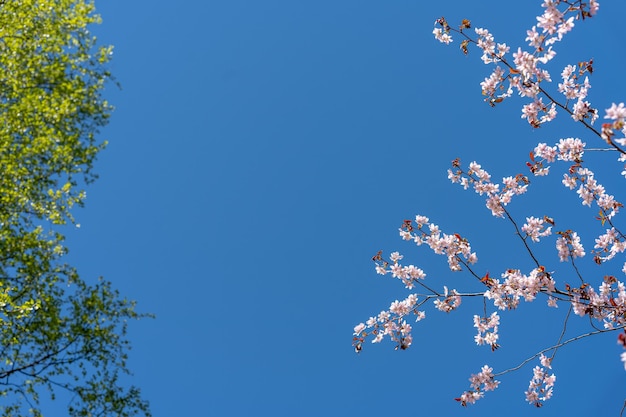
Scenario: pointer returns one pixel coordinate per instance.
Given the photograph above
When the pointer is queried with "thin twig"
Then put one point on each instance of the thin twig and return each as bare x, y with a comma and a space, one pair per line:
530, 252
569, 310
582, 281
573, 339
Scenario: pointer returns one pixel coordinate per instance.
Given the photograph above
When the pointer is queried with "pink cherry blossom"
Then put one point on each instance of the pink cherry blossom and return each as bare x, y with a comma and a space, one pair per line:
570, 149
442, 36
541, 387
568, 245
616, 112
545, 361
487, 330
480, 383
536, 228
451, 301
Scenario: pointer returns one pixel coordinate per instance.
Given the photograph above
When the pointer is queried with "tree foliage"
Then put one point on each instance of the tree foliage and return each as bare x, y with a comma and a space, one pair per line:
57, 331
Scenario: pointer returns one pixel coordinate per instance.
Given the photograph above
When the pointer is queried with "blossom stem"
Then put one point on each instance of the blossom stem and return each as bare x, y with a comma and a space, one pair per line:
569, 311
519, 233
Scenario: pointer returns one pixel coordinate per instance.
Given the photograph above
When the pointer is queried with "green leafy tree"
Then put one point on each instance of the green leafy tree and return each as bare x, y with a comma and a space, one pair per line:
58, 333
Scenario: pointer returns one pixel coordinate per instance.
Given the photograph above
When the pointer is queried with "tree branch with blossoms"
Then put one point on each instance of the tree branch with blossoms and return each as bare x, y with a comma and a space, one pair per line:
604, 303
527, 77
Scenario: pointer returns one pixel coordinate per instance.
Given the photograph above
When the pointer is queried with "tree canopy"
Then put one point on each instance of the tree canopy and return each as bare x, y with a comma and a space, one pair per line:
58, 332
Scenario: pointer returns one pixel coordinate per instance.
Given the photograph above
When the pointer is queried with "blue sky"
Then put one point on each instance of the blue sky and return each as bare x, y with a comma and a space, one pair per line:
262, 152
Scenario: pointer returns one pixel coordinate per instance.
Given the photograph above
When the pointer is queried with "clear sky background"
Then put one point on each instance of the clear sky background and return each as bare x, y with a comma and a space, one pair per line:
261, 152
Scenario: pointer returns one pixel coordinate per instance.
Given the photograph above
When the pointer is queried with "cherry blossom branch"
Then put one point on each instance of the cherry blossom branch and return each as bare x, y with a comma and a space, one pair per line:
608, 140
607, 303
526, 65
